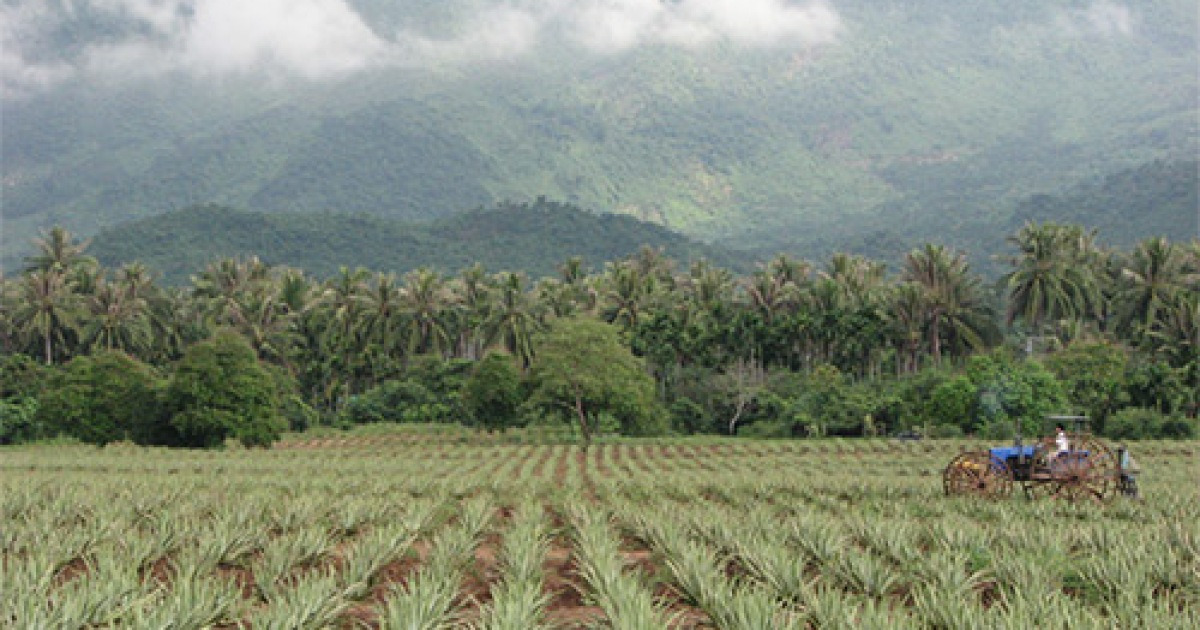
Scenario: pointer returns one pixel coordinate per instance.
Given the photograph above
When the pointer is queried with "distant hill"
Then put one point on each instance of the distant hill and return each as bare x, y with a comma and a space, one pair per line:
533, 237
1161, 198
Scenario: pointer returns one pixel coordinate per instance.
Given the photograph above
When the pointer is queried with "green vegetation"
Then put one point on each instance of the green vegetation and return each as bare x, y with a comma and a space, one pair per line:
582, 368
793, 349
413, 529
218, 390
531, 237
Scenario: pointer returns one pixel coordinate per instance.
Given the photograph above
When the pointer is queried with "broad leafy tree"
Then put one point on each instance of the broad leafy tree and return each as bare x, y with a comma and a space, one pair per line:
220, 391
583, 368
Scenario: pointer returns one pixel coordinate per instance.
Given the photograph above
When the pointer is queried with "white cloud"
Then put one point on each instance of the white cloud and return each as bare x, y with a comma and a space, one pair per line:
1103, 18
1107, 18
315, 39
616, 25
312, 38
501, 32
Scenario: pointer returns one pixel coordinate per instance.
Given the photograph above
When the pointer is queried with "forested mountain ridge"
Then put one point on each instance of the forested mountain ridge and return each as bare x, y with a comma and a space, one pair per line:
1157, 198
839, 122
535, 238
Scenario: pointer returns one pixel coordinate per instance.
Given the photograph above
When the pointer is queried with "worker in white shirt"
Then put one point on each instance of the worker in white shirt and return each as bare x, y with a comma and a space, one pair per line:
1062, 445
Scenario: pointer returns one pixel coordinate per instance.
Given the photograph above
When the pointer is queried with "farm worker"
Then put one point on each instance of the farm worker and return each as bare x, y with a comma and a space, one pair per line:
1060, 441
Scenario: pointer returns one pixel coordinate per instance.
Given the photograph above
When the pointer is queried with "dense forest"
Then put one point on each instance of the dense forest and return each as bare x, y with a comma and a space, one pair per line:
530, 237
645, 346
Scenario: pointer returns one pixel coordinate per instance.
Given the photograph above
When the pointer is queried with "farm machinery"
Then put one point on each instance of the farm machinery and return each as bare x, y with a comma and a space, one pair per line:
1072, 465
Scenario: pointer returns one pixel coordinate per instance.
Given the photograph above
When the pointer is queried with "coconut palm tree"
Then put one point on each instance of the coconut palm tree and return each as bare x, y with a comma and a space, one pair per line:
47, 311
908, 316
118, 319
472, 294
224, 284
624, 292
950, 295
514, 318
382, 316
425, 298
1054, 275
58, 251
1150, 276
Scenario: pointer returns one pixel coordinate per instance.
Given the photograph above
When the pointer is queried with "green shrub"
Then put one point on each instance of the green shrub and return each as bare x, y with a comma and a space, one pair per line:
101, 398
18, 420
405, 401
778, 428
220, 391
581, 367
492, 394
1143, 423
1093, 376
952, 403
946, 431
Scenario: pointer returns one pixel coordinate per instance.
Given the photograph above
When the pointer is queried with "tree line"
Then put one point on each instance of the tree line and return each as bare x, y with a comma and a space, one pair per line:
796, 348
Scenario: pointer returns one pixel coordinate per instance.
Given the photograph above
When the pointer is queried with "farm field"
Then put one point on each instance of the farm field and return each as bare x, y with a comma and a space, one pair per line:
427, 530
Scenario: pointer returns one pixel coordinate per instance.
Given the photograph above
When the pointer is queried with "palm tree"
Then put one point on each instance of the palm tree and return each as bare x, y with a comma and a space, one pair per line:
118, 319
857, 280
47, 310
58, 251
8, 325
1151, 275
709, 286
557, 296
338, 316
950, 296
770, 291
135, 279
513, 321
223, 285
471, 292
624, 292
909, 320
425, 297
1054, 275
381, 317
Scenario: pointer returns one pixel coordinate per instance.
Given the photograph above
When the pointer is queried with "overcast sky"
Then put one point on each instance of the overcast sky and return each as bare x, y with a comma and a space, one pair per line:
317, 39
320, 38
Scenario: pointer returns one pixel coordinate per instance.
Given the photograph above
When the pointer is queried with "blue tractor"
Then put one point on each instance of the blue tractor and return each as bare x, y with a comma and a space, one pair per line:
1069, 464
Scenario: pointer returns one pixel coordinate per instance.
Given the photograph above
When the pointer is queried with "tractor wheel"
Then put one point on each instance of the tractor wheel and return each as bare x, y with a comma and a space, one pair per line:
1088, 472
977, 473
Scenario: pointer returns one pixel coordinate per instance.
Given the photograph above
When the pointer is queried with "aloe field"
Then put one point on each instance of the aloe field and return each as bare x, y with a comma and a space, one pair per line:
425, 530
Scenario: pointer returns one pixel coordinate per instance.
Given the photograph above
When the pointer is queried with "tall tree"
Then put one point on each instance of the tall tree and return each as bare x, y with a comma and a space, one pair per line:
950, 296
1054, 275
425, 298
117, 319
1150, 276
48, 311
514, 319
58, 251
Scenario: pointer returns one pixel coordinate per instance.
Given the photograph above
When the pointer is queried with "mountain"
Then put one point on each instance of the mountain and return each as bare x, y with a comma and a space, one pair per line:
764, 125
1161, 197
531, 237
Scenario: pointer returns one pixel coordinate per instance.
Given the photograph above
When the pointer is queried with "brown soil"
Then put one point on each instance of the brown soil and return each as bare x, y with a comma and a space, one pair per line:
567, 607
639, 558
602, 468
70, 571
589, 486
560, 467
243, 577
